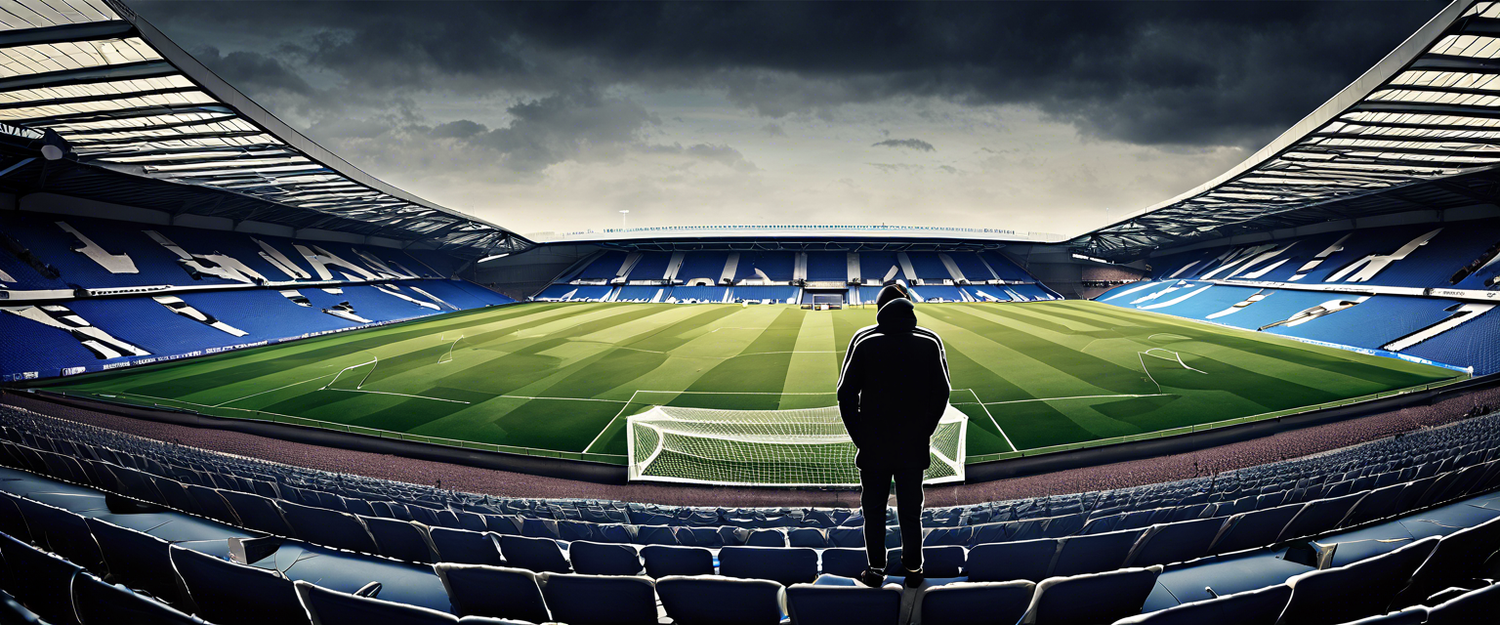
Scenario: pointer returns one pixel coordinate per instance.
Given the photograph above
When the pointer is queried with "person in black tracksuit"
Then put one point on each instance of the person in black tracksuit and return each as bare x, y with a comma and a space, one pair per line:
892, 391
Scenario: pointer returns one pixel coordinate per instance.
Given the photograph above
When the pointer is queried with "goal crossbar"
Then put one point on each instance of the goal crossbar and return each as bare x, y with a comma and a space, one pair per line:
791, 448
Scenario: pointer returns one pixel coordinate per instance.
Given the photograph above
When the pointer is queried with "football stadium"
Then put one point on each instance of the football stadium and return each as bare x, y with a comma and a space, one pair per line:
244, 381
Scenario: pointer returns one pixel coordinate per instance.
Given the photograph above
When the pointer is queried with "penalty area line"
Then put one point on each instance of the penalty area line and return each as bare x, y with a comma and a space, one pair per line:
992, 419
611, 422
1125, 396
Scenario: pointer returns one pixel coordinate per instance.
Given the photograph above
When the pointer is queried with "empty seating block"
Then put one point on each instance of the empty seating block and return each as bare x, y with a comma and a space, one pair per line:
96, 602
1002, 562
1256, 606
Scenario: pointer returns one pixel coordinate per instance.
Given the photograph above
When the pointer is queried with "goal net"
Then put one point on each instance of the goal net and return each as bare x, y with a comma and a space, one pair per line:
807, 447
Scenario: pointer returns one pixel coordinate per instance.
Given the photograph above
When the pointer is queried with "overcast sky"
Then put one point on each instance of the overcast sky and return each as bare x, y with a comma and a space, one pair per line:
1047, 117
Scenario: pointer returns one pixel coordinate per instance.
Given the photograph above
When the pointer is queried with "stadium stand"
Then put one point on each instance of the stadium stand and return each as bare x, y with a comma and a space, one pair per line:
1418, 292
792, 277
1411, 515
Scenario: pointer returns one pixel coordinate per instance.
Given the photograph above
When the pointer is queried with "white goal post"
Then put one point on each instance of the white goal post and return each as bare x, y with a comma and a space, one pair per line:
807, 447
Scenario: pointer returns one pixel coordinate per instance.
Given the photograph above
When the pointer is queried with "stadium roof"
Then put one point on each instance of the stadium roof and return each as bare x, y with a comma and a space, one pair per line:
1420, 130
126, 98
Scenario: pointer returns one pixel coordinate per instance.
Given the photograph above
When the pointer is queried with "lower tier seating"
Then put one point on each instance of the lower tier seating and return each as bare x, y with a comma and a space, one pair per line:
342, 558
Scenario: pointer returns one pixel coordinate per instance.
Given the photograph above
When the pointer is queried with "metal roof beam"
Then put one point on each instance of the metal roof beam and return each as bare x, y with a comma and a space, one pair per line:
125, 113
66, 33
89, 75
101, 97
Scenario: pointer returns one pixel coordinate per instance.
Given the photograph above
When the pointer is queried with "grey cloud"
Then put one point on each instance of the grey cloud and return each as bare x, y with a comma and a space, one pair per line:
458, 129
1207, 73
906, 144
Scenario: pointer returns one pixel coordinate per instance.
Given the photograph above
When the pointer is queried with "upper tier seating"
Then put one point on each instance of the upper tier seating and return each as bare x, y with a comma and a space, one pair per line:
1370, 289
1097, 556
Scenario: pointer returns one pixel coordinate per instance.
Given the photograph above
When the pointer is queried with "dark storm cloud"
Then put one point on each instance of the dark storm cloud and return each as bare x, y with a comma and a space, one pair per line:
1148, 73
906, 144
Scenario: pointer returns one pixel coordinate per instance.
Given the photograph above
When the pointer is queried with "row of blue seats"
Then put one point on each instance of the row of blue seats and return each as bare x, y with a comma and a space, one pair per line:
1118, 593
48, 245
1456, 246
1378, 464
29, 349
821, 266
1371, 324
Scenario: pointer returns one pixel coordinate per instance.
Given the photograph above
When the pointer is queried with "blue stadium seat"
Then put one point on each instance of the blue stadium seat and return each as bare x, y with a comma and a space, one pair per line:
1021, 560
1261, 606
662, 561
403, 540
976, 602
339, 530
225, 593
590, 558
1168, 543
331, 607
40, 581
1354, 591
136, 559
500, 592
1091, 598
600, 599
785, 565
713, 600
843, 603
1475, 606
542, 555
96, 602
467, 547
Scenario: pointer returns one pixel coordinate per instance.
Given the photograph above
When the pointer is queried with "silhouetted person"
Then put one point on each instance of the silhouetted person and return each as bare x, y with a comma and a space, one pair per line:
892, 391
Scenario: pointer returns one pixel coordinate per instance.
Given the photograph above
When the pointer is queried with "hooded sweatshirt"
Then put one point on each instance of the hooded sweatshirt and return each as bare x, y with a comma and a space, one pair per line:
893, 389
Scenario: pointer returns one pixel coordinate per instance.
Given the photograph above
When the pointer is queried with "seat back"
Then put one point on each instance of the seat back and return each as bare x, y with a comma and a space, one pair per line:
331, 607
62, 532
785, 565
1167, 543
940, 561
328, 528
1457, 559
40, 581
1003, 562
1093, 553
600, 599
1092, 598
1355, 590
818, 604
96, 602
714, 600
1475, 606
500, 592
1263, 605
591, 558
536, 554
964, 602
662, 560
257, 512
403, 540
1249, 530
465, 546
225, 593
136, 559
845, 562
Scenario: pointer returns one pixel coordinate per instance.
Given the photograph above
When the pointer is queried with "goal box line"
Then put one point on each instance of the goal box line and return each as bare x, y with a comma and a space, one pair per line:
803, 447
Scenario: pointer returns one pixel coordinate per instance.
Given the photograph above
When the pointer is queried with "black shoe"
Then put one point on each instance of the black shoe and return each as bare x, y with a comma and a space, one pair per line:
871, 578
915, 578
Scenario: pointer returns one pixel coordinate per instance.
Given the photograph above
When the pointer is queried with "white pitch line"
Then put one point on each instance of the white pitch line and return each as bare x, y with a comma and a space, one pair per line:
992, 419
611, 422
1022, 401
272, 390
355, 390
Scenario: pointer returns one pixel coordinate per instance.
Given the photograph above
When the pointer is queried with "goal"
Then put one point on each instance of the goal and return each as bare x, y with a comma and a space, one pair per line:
806, 447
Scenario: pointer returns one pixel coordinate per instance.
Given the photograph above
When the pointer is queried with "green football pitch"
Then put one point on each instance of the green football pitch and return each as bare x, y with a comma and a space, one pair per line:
561, 378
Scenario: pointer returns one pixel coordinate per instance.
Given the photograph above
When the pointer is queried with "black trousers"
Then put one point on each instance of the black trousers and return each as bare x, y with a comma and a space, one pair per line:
875, 487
